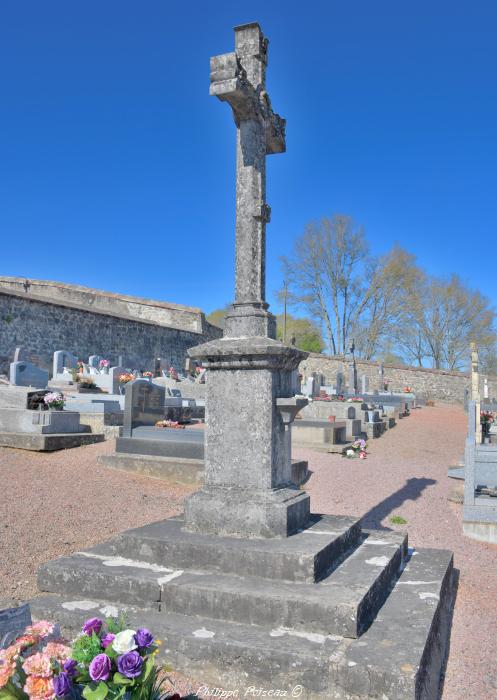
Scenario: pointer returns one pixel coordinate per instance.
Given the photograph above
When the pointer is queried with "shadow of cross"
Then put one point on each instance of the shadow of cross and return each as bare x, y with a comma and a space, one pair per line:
411, 491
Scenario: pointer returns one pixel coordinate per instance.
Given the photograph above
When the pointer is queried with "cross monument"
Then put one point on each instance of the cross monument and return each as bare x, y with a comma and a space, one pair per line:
250, 404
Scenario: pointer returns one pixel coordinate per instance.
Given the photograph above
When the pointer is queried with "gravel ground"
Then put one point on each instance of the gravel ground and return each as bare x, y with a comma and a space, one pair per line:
53, 504
405, 474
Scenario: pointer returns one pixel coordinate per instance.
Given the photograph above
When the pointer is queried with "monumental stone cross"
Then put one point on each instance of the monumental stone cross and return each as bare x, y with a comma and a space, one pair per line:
250, 403
475, 388
239, 78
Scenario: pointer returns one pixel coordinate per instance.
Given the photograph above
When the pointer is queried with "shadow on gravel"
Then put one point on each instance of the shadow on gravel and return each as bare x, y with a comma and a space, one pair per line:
412, 490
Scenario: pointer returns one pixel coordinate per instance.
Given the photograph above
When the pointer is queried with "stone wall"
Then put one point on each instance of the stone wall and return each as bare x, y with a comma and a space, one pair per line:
164, 313
434, 384
42, 326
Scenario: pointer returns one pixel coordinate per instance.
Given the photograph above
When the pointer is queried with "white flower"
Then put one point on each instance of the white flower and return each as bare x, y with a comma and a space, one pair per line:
350, 453
124, 641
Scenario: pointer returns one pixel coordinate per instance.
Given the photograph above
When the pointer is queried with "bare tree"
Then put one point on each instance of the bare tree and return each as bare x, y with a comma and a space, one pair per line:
333, 277
440, 321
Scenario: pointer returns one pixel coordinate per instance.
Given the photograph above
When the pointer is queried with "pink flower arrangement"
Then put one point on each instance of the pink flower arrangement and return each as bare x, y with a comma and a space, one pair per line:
357, 449
54, 400
104, 363
106, 659
28, 666
148, 374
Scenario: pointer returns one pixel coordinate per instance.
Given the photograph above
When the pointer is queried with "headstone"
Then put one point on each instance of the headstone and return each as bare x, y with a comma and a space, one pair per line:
352, 378
309, 387
339, 383
20, 355
364, 384
94, 361
143, 404
63, 360
157, 367
27, 374
13, 621
381, 377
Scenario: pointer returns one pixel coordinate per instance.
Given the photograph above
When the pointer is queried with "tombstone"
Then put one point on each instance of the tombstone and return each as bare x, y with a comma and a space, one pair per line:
381, 377
143, 404
20, 355
364, 384
13, 621
157, 367
94, 361
63, 363
27, 374
352, 378
309, 387
339, 383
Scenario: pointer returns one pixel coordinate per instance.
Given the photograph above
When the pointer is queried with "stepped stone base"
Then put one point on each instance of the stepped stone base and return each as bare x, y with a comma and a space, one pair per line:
342, 612
180, 470
48, 442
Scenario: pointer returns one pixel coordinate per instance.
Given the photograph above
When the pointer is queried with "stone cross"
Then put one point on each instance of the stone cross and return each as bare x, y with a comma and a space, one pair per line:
475, 388
248, 489
239, 78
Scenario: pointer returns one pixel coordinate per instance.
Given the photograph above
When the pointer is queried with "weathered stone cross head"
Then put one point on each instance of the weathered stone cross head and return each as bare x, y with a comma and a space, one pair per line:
239, 78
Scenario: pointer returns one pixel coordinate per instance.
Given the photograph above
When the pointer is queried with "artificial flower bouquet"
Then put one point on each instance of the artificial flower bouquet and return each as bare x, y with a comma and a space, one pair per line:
486, 417
357, 449
126, 377
166, 423
54, 400
104, 363
148, 374
106, 660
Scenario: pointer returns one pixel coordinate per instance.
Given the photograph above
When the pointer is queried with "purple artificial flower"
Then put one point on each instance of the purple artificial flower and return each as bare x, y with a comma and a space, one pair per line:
100, 668
107, 639
130, 664
144, 638
94, 624
70, 666
62, 685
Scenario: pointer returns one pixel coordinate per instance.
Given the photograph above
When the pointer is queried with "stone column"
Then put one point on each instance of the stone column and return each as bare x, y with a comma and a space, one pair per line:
475, 390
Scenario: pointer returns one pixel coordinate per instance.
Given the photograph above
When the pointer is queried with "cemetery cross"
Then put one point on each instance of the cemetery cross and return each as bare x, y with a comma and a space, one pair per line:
239, 78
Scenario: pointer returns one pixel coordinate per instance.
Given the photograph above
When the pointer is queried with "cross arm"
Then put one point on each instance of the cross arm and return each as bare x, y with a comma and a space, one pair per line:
229, 84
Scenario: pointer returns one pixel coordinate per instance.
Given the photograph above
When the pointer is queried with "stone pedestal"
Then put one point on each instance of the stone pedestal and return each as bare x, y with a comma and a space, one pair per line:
248, 488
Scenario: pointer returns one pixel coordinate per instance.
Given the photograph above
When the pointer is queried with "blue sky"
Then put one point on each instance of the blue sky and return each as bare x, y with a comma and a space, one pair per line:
117, 169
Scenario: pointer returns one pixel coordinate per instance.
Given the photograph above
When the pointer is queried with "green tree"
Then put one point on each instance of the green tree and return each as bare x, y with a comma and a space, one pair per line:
304, 332
216, 317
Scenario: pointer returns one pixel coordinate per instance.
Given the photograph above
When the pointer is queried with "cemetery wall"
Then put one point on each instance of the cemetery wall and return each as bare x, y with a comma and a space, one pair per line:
441, 385
42, 325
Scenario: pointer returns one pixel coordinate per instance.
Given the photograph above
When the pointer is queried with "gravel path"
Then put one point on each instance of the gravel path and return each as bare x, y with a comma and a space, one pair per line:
405, 474
53, 504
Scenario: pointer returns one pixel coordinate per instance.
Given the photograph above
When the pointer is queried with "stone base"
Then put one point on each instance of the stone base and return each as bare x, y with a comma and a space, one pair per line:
244, 320
247, 513
176, 470
48, 442
483, 532
179, 470
338, 611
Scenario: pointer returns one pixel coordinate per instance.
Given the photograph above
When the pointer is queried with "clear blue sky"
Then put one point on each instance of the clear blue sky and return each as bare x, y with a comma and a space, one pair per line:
117, 168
